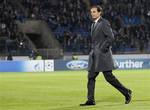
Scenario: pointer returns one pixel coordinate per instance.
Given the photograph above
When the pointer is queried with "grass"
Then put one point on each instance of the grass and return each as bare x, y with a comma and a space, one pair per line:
65, 90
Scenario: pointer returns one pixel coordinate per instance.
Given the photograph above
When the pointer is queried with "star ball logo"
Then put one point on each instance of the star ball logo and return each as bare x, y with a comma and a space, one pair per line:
49, 65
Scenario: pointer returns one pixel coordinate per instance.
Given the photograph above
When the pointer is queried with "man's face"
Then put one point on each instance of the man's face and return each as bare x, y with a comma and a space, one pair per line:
94, 13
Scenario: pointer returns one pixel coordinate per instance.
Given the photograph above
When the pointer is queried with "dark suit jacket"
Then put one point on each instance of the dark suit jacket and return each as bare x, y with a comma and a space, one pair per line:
100, 57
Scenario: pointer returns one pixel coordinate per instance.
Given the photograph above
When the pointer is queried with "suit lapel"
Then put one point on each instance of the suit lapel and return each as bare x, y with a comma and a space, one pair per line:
93, 28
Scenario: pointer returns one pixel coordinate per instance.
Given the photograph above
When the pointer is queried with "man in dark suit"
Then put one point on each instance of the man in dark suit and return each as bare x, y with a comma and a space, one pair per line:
100, 57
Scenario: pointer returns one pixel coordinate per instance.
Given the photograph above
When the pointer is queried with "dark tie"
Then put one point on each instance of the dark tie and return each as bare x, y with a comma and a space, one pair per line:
93, 25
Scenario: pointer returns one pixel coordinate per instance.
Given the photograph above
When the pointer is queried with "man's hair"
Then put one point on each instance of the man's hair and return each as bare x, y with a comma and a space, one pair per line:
98, 7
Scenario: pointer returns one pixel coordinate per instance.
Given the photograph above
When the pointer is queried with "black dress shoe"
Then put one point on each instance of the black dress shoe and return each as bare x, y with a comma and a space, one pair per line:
128, 97
88, 103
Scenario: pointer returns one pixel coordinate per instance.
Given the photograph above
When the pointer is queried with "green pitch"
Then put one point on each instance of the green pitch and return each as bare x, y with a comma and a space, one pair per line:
65, 90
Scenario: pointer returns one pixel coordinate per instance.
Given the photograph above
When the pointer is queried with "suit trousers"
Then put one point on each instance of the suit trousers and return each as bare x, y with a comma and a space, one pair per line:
110, 78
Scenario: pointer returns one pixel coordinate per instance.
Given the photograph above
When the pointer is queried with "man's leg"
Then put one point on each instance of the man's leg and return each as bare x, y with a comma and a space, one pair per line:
115, 83
91, 85
91, 88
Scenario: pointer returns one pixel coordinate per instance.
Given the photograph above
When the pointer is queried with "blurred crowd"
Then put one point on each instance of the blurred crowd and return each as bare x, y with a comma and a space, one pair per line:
10, 36
70, 22
130, 21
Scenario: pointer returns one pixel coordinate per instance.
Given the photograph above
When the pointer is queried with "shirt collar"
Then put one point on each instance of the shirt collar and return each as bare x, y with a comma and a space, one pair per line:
97, 19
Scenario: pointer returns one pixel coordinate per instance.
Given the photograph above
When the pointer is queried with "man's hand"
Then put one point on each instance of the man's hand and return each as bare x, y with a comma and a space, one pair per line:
104, 50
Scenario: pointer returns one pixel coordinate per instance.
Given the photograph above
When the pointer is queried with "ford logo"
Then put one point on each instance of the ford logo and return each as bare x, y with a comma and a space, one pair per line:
77, 64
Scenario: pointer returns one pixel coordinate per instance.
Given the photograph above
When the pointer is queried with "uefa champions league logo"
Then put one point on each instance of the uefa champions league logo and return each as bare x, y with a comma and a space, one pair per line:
49, 65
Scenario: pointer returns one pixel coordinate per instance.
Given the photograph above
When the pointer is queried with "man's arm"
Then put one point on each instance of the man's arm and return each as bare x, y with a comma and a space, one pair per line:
109, 36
